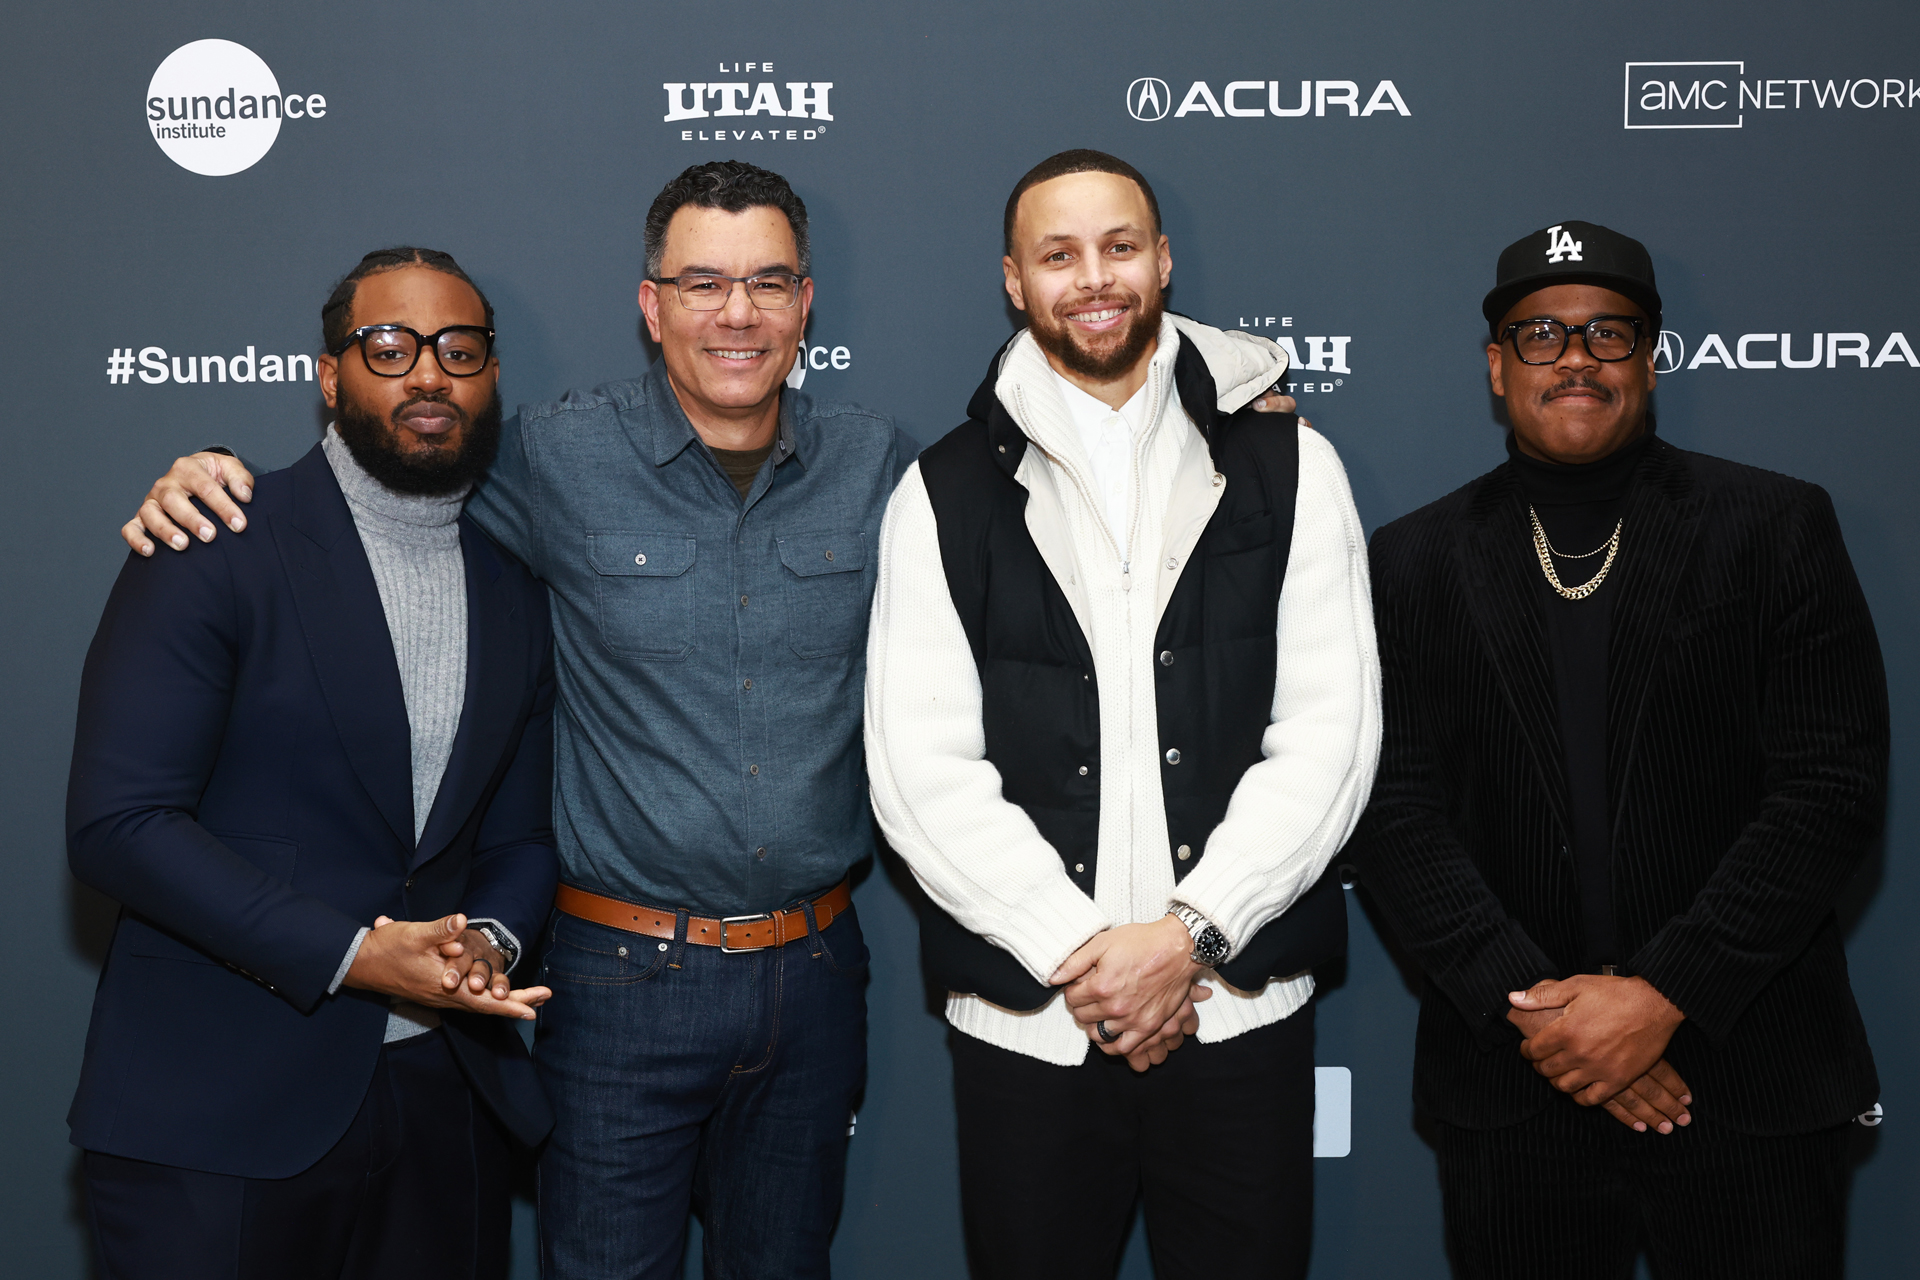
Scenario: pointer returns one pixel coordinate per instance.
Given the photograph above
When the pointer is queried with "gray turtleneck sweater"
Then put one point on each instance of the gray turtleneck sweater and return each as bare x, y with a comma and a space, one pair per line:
413, 546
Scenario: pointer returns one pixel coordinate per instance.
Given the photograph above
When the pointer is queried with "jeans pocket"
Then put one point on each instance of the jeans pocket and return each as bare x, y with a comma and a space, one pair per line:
584, 953
844, 948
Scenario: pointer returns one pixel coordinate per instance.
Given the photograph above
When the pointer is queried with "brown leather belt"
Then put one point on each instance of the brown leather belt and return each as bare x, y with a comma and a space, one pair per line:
733, 933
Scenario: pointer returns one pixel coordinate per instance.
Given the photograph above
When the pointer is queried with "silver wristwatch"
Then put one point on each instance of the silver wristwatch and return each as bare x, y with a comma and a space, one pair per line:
1209, 944
501, 942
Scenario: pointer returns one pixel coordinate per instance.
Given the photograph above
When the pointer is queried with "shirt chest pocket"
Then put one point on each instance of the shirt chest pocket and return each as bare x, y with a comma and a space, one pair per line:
644, 588
828, 591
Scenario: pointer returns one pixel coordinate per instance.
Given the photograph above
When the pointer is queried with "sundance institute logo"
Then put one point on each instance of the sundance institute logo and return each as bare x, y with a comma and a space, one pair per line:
215, 108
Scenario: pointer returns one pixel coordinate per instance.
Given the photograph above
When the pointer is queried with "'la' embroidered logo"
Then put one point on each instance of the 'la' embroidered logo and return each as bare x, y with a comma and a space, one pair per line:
1561, 245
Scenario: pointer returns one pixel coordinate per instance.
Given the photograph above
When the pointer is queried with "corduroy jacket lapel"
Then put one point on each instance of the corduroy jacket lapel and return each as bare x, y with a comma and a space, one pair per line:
1657, 537
346, 630
1494, 545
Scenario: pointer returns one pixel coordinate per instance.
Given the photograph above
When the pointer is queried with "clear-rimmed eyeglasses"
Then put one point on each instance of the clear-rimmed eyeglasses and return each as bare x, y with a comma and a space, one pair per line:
773, 291
1543, 340
391, 350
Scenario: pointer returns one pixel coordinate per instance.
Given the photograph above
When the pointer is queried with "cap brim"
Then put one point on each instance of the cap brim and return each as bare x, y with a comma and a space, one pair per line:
1500, 301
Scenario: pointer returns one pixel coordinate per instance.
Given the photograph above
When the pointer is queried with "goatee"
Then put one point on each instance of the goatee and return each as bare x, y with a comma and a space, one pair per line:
431, 472
1056, 338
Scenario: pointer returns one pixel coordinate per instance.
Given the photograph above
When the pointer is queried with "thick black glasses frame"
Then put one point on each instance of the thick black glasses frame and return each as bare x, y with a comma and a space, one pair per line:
1566, 336
731, 281
421, 342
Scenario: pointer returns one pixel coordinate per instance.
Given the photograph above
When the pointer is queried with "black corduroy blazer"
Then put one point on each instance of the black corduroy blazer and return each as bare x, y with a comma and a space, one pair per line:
1747, 746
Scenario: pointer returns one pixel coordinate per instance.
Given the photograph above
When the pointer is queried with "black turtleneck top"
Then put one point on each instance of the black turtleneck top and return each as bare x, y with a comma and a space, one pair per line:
1578, 506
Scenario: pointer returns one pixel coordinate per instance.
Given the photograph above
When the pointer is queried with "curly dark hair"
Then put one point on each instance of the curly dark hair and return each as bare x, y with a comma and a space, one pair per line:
1079, 160
733, 186
336, 317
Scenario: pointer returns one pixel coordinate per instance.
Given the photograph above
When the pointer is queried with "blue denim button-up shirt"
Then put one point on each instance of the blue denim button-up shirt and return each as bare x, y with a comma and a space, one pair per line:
711, 650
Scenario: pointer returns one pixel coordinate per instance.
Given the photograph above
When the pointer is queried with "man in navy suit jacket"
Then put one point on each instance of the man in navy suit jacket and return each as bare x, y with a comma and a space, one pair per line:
314, 766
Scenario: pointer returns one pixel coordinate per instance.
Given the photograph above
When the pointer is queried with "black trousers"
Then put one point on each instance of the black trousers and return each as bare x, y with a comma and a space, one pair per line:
1216, 1144
1574, 1194
418, 1186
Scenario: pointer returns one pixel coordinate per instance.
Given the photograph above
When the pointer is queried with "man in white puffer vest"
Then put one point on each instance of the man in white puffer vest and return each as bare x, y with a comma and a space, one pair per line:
1123, 708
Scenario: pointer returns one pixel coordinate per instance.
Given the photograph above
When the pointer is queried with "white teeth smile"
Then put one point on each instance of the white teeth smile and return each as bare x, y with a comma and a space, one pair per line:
1098, 317
739, 355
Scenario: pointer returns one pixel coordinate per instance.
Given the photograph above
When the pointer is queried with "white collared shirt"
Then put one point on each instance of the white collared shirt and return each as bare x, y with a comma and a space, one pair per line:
1109, 436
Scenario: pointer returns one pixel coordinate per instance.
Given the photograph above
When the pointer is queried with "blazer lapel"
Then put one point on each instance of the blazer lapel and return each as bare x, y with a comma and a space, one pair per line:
1661, 525
346, 631
497, 661
1495, 549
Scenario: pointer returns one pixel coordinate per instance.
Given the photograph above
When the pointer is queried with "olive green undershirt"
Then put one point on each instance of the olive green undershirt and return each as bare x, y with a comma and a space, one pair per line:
742, 465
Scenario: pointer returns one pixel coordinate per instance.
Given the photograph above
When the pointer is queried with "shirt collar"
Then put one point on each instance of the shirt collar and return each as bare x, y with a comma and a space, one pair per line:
672, 432
1090, 413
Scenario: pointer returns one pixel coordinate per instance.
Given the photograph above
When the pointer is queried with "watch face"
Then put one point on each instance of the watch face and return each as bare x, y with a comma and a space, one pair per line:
1211, 946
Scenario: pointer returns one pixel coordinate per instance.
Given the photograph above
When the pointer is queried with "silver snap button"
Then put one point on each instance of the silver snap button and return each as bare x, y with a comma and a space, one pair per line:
623, 951
663, 946
743, 602
1173, 755
1079, 866
829, 555
761, 852
747, 684
1083, 771
1183, 852
1172, 563
1218, 479
641, 558
1166, 657
754, 769
1002, 448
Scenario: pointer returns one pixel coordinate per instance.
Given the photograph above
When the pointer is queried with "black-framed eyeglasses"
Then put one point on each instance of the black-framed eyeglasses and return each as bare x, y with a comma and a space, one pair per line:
771, 291
1543, 340
391, 350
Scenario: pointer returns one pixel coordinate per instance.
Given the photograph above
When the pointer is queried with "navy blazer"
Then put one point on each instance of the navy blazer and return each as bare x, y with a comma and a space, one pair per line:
242, 783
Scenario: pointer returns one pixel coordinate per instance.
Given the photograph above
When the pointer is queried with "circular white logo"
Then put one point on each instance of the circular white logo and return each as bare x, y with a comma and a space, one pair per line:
1669, 351
215, 108
1149, 99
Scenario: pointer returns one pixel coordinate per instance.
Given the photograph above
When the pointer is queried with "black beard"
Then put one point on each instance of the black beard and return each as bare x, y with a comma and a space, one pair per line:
1141, 332
373, 442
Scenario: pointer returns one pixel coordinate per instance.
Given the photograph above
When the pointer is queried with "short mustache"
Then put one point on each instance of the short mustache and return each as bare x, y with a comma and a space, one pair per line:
440, 399
1580, 382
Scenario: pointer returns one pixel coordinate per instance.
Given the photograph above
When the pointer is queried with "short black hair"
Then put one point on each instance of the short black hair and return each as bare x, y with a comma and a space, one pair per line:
336, 317
732, 186
1079, 160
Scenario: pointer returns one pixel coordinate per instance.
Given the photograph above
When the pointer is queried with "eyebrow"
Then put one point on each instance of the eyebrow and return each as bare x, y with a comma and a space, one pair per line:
1123, 229
716, 271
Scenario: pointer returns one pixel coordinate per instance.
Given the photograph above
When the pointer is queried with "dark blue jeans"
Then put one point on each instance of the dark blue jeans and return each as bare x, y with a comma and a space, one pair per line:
681, 1075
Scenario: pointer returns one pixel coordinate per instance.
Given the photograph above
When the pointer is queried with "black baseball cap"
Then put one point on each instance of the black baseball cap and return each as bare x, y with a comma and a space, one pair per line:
1573, 253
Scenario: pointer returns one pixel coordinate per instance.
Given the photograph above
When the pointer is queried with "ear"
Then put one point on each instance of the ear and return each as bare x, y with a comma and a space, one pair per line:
1165, 254
1653, 358
1495, 353
650, 307
329, 367
1014, 290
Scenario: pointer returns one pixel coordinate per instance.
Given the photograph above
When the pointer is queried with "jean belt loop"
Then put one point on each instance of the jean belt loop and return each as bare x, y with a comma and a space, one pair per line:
814, 944
679, 938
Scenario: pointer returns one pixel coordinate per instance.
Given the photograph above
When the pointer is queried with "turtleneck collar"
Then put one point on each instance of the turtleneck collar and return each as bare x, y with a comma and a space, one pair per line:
400, 517
1559, 484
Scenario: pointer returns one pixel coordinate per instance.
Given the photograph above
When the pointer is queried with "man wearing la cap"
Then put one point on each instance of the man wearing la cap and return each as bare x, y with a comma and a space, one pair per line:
1636, 740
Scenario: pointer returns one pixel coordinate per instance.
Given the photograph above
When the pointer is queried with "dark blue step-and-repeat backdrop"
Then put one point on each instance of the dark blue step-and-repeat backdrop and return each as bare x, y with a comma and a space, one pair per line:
1337, 177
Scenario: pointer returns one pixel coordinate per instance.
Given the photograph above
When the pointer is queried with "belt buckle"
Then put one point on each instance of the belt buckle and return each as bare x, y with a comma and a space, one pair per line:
748, 919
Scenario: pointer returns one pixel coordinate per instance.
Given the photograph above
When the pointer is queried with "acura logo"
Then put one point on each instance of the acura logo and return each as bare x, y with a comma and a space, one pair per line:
1669, 350
1149, 99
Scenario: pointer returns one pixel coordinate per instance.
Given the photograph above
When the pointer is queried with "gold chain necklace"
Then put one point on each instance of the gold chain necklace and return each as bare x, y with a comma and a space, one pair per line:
1544, 550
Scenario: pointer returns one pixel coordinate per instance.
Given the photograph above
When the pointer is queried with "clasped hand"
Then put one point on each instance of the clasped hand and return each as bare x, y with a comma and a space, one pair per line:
1139, 979
1602, 1040
441, 964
